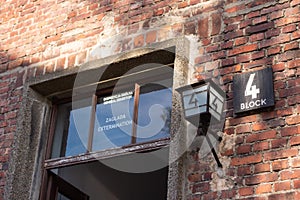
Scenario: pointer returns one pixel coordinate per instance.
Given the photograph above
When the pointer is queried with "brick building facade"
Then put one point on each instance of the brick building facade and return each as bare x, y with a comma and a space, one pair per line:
41, 41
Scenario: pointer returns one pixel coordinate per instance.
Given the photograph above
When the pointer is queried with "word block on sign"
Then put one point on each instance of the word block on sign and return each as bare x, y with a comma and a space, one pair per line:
253, 90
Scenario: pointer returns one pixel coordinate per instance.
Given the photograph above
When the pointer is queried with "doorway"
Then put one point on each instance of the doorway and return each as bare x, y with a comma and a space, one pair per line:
101, 182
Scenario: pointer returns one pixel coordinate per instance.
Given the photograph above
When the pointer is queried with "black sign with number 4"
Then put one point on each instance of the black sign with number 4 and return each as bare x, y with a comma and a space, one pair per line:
253, 90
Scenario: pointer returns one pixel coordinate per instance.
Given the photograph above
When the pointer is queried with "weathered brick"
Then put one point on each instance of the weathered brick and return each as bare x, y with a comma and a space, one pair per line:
228, 194
196, 177
253, 14
273, 41
257, 55
273, 50
295, 163
71, 60
49, 67
264, 167
263, 188
276, 15
261, 178
296, 184
289, 92
189, 28
203, 28
295, 2
231, 27
246, 191
293, 120
295, 35
243, 58
285, 175
289, 28
257, 3
139, 41
243, 128
209, 196
278, 143
232, 35
182, 4
289, 55
243, 149
235, 8
242, 120
287, 131
293, 63
261, 136
240, 41
242, 49
216, 23
245, 23
243, 170
81, 58
260, 146
259, 20
202, 59
260, 27
287, 20
293, 82
275, 123
286, 185
200, 187
227, 45
280, 154
257, 37
212, 48
218, 55
289, 46
295, 140
279, 165
282, 196
246, 160
133, 28
259, 126
151, 37
280, 103
272, 33
274, 8
259, 63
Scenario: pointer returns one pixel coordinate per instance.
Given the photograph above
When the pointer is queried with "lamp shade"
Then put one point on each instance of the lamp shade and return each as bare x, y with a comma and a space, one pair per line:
200, 99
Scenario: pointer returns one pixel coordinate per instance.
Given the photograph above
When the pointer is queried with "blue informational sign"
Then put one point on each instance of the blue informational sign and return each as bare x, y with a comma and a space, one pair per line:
113, 127
113, 123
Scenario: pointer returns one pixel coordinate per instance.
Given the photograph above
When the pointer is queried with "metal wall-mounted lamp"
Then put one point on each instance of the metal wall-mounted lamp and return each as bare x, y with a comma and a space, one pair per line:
203, 105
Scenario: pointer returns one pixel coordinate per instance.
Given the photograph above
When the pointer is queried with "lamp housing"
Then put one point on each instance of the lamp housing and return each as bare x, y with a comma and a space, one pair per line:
202, 99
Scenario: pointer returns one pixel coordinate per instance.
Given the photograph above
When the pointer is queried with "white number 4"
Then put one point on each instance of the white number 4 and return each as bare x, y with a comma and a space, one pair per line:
251, 90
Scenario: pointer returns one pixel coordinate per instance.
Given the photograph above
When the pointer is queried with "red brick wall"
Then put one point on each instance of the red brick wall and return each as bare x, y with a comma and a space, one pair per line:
261, 156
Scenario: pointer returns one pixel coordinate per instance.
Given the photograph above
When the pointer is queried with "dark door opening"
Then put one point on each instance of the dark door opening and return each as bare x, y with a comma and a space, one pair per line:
63, 190
101, 182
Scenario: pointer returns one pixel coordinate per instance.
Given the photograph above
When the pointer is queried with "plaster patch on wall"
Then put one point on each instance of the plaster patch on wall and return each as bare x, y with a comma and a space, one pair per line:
66, 48
194, 46
168, 19
109, 39
227, 143
220, 179
112, 38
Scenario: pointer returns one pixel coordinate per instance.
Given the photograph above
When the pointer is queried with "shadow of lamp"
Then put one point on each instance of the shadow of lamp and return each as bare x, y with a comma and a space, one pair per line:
203, 105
